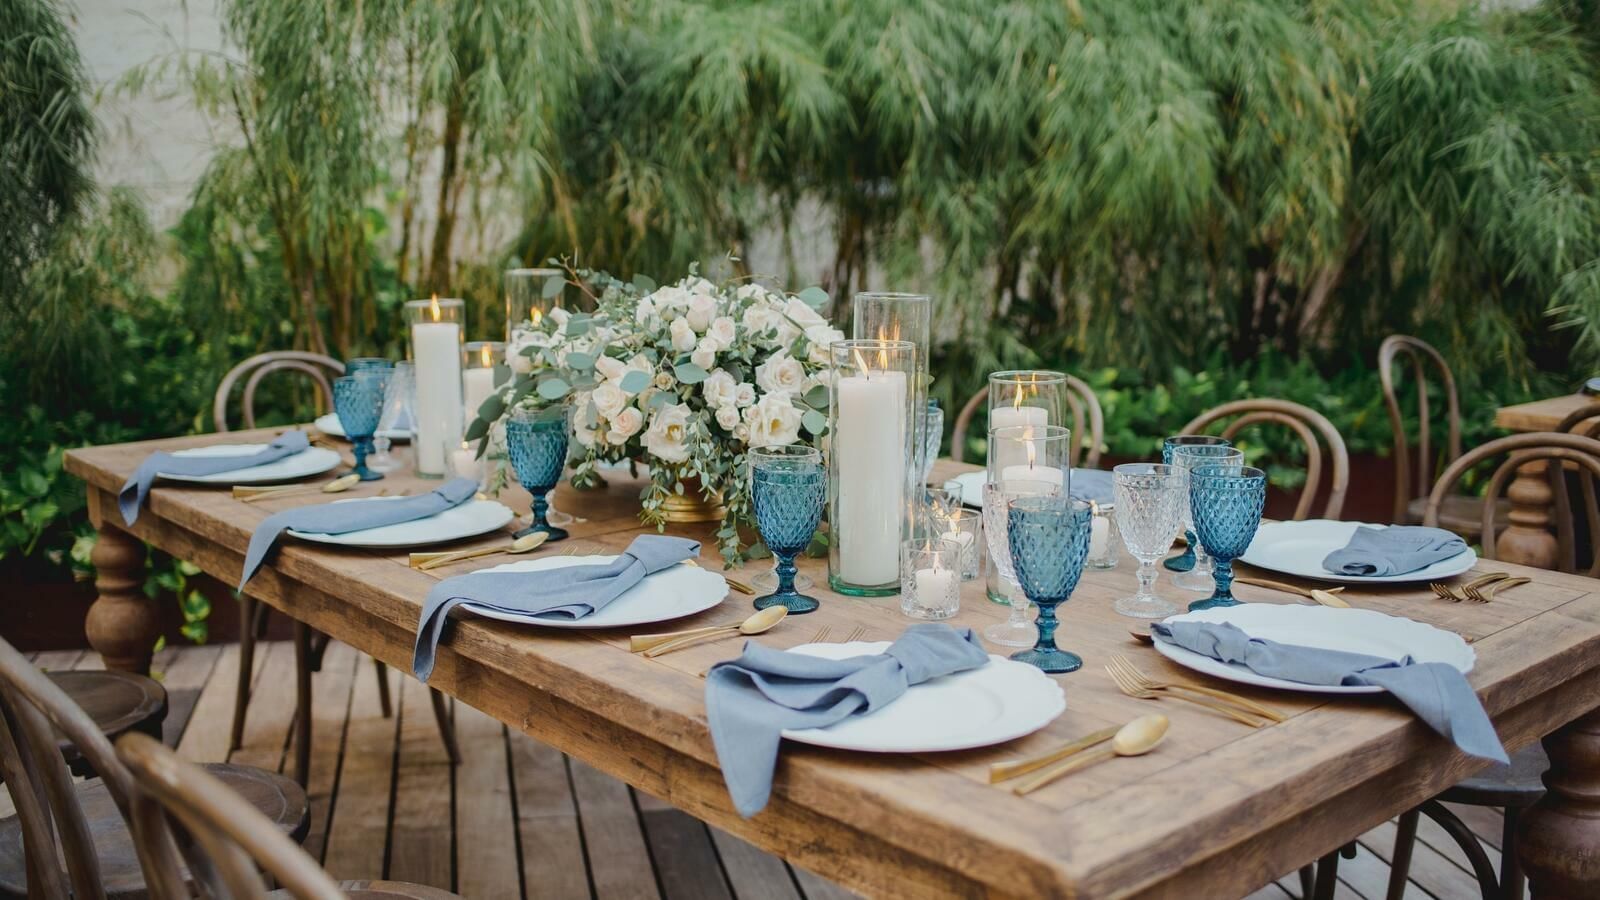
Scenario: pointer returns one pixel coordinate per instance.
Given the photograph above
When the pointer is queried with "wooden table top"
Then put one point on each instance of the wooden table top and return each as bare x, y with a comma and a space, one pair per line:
1218, 809
1540, 415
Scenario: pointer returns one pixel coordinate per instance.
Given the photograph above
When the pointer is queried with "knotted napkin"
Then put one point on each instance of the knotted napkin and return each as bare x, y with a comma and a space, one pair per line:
132, 495
1091, 484
570, 592
751, 700
359, 515
1395, 550
1437, 692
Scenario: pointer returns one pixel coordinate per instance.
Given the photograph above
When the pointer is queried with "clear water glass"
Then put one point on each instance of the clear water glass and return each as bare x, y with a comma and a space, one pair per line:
1186, 457
1226, 501
1103, 538
1149, 508
964, 528
933, 438
788, 488
357, 400
1049, 539
536, 441
1016, 630
1185, 560
930, 579
396, 415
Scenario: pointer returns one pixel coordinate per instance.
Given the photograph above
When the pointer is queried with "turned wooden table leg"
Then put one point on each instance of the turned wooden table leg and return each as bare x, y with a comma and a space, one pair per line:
123, 623
1558, 839
1528, 539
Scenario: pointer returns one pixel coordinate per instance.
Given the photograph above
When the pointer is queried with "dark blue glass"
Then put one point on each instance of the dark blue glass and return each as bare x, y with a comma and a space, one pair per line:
1049, 540
788, 488
1226, 502
1185, 561
358, 401
537, 444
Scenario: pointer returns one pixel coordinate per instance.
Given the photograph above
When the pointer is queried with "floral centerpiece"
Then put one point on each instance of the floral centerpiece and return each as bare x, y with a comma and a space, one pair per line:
684, 378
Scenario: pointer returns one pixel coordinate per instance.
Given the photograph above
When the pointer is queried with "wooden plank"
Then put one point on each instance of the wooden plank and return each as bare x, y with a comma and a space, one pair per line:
815, 887
358, 827
1487, 822
272, 703
754, 874
206, 737
1270, 892
330, 709
1540, 415
185, 674
486, 845
553, 864
420, 842
57, 660
685, 861
619, 861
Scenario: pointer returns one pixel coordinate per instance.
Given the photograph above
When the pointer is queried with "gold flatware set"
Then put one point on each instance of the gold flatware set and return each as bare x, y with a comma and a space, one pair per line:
1325, 597
1135, 683
1136, 738
1478, 590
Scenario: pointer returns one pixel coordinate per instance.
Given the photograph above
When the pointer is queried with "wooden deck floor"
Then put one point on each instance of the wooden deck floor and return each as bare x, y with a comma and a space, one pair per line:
519, 819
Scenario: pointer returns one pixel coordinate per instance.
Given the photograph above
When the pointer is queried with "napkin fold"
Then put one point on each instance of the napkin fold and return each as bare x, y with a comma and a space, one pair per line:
1091, 484
344, 517
569, 592
132, 495
1436, 692
751, 700
1395, 550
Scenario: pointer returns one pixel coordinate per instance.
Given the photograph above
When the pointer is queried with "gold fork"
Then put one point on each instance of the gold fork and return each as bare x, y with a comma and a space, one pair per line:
1484, 595
821, 635
1446, 592
1133, 689
1137, 676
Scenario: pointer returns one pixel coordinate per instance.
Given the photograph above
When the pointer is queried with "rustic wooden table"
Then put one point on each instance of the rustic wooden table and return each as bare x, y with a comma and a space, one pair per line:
1528, 538
1217, 810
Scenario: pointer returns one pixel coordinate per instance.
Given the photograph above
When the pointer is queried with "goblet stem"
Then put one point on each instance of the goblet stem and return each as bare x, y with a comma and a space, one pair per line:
1147, 580
786, 571
1184, 562
1047, 623
540, 518
1222, 574
360, 447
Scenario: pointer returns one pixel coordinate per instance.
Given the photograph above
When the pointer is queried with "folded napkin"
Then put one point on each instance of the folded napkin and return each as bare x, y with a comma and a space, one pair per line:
1092, 484
570, 592
344, 517
751, 700
1437, 692
1393, 551
132, 495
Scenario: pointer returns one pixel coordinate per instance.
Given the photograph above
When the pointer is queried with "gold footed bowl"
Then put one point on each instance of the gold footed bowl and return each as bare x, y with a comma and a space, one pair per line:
692, 506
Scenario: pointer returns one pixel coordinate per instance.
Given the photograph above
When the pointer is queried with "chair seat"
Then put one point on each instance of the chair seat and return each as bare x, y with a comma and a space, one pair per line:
382, 890
118, 702
277, 797
1515, 786
1461, 514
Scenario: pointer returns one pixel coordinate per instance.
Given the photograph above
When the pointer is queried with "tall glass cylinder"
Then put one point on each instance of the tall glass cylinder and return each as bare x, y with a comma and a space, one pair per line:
435, 328
1033, 397
530, 295
871, 463
1030, 453
483, 373
893, 316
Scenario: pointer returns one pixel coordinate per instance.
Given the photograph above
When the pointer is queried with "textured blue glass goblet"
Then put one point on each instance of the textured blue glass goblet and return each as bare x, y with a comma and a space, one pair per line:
788, 488
1226, 502
363, 363
1049, 540
358, 402
1185, 561
536, 440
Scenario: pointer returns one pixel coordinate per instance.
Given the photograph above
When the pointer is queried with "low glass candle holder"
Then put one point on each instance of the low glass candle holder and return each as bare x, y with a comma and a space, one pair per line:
930, 579
964, 528
1103, 537
1030, 453
1185, 560
788, 488
536, 441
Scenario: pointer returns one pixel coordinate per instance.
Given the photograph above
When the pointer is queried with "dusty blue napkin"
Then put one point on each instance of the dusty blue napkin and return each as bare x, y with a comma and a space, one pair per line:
1437, 692
132, 495
570, 592
1091, 484
342, 518
751, 700
1395, 550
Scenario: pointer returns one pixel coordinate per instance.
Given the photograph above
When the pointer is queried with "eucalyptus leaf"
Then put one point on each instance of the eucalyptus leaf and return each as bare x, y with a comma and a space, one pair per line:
689, 373
553, 286
814, 422
817, 397
477, 429
814, 297
644, 283
554, 388
634, 381
491, 409
659, 400
580, 362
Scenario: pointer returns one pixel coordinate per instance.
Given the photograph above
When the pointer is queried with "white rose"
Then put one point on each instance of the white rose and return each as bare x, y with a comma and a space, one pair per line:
774, 422
609, 399
719, 389
698, 285
559, 316
683, 337
742, 433
819, 337
668, 435
781, 373
582, 429
626, 424
802, 314
722, 331
728, 418
520, 364
705, 354
749, 290
744, 395
759, 319
610, 368
645, 311
671, 299
702, 309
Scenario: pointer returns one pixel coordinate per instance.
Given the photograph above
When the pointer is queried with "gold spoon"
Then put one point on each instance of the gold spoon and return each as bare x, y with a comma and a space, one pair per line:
1328, 599
1133, 739
337, 486
426, 561
756, 624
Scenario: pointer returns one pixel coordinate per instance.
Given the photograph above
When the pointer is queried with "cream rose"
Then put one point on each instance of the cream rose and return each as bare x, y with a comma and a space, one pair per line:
723, 331
744, 395
683, 337
801, 314
819, 337
626, 424
728, 417
781, 373
667, 438
610, 368
719, 389
774, 422
609, 399
702, 309
705, 353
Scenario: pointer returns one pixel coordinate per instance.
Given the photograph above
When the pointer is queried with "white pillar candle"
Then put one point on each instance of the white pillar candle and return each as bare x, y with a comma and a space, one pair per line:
869, 451
1047, 474
1099, 532
1011, 453
478, 384
464, 463
437, 347
934, 588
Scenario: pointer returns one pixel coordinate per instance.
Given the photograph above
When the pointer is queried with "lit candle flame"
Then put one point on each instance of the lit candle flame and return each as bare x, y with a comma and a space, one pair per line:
437, 313
1032, 454
1016, 399
488, 357
536, 316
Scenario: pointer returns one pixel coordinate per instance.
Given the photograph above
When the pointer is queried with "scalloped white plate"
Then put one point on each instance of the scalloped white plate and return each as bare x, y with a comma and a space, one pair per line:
1298, 548
308, 462
1325, 627
467, 520
670, 594
992, 704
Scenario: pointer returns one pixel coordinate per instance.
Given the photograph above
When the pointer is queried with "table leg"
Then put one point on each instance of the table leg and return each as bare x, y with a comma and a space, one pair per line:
123, 623
1528, 540
1558, 839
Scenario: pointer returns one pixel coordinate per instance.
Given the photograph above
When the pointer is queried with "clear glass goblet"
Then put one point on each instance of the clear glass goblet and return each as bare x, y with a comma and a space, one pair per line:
396, 415
1016, 630
788, 488
1186, 457
1149, 510
1049, 539
1227, 501
1184, 561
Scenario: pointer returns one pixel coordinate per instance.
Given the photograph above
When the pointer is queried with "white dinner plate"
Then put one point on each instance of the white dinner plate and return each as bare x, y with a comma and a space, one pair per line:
467, 520
991, 704
330, 425
669, 594
1298, 548
1328, 628
310, 461
971, 484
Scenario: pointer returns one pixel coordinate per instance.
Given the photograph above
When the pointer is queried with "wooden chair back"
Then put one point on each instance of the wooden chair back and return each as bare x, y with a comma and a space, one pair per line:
260, 366
1088, 423
1308, 425
33, 712
1556, 448
1411, 482
1584, 421
225, 839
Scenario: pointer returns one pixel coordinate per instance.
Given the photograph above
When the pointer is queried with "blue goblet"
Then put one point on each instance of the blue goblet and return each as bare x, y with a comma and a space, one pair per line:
1049, 540
365, 363
537, 443
1185, 561
1226, 503
788, 488
358, 401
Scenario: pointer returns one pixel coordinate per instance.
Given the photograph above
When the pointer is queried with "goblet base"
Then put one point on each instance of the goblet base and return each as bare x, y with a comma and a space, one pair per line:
768, 581
797, 604
1009, 634
1212, 602
1146, 607
366, 474
1053, 662
557, 517
555, 534
1182, 562
1194, 580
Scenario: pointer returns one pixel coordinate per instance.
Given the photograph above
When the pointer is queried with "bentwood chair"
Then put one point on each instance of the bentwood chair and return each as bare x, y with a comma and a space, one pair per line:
309, 645
180, 809
1088, 423
1585, 421
74, 840
1308, 425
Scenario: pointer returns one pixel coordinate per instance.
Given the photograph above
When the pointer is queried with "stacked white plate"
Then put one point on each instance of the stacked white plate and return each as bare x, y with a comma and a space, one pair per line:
1298, 548
467, 520
308, 462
